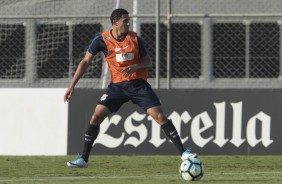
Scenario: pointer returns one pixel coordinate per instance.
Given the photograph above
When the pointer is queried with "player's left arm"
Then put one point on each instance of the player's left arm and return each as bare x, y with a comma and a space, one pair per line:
145, 60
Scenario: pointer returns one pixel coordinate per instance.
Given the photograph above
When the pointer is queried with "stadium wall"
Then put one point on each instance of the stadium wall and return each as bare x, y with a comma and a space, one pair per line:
33, 121
211, 121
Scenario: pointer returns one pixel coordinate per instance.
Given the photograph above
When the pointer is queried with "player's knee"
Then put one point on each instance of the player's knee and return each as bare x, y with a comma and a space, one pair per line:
96, 119
161, 118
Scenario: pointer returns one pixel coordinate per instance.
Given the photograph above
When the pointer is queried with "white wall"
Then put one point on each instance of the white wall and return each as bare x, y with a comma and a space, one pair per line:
33, 121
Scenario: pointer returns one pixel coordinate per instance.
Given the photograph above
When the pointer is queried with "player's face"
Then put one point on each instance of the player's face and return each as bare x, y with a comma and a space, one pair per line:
123, 24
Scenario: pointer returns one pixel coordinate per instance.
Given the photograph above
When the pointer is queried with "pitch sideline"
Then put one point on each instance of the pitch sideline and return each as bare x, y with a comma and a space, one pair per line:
18, 179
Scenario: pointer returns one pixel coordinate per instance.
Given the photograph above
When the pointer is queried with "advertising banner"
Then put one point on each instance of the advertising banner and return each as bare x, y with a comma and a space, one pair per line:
210, 121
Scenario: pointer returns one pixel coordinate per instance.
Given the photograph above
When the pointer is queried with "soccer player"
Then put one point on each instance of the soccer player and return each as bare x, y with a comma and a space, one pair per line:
129, 63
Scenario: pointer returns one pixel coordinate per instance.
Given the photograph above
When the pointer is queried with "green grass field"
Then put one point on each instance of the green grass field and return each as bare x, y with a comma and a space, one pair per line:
139, 169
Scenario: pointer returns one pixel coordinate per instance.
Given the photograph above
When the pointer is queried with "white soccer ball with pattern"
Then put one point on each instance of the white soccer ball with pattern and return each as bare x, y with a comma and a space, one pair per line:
191, 169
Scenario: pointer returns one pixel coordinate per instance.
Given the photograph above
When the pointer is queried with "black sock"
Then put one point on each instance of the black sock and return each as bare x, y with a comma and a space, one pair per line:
172, 134
90, 136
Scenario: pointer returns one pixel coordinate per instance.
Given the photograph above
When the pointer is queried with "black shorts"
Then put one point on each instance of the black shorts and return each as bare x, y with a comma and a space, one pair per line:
138, 91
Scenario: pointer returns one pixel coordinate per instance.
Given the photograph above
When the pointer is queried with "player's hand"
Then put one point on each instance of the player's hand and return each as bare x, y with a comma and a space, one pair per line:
129, 70
68, 94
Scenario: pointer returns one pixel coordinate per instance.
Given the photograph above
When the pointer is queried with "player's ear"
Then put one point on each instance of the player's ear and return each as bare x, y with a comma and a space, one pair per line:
115, 22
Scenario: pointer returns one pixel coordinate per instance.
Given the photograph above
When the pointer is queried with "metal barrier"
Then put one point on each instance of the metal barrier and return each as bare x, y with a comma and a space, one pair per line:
43, 49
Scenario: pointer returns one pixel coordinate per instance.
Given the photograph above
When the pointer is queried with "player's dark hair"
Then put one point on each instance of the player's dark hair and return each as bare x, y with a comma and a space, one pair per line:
117, 14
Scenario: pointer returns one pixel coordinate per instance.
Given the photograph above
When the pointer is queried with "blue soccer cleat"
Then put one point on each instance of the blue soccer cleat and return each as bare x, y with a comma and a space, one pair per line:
78, 163
187, 154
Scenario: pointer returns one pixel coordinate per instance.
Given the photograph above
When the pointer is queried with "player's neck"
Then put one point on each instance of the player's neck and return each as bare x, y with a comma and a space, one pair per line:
117, 35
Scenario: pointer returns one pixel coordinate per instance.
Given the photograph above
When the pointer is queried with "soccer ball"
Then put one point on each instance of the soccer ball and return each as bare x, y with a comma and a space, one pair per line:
191, 169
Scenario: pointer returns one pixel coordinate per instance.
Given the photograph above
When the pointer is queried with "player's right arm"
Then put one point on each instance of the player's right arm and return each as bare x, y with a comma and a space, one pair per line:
81, 69
96, 45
